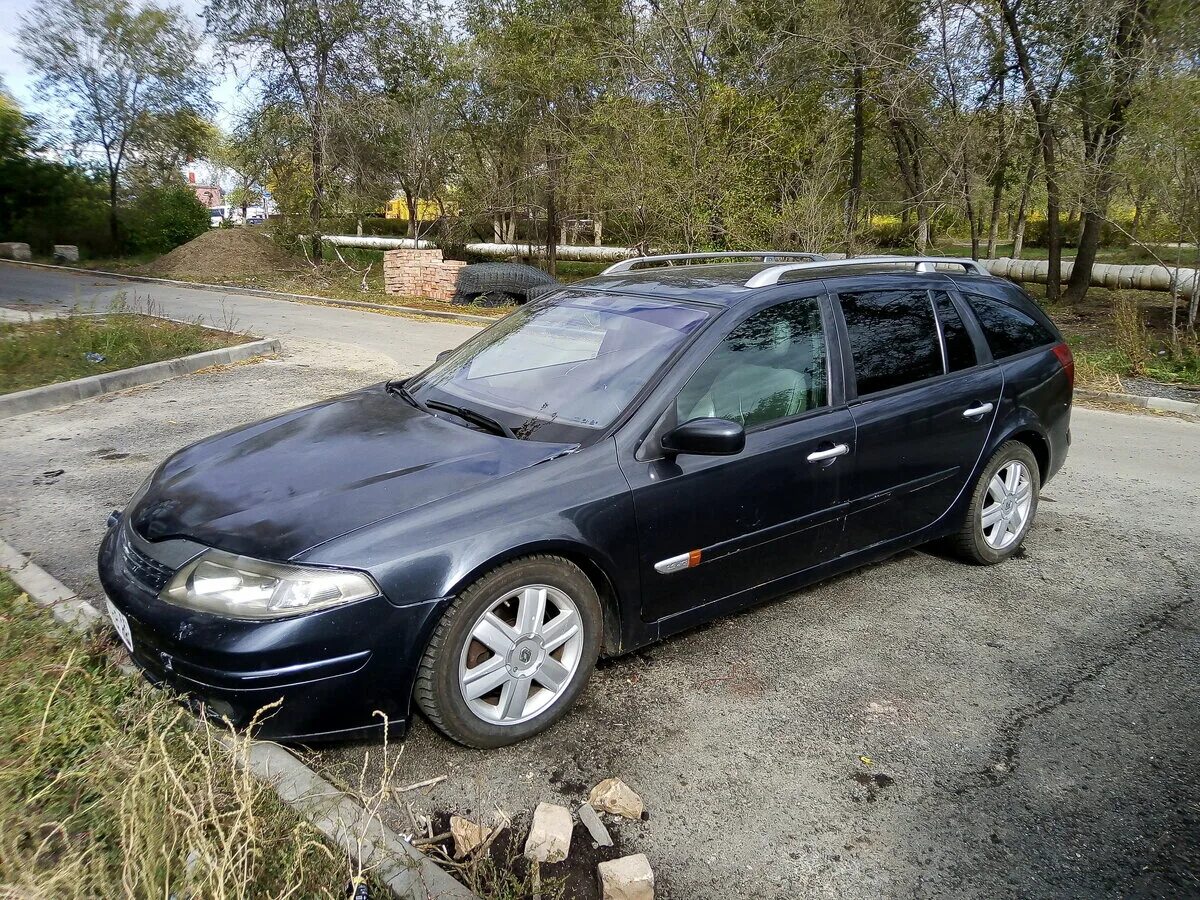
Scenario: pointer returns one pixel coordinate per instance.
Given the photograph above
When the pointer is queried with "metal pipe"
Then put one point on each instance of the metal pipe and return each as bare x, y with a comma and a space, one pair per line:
494, 251
369, 242
1141, 278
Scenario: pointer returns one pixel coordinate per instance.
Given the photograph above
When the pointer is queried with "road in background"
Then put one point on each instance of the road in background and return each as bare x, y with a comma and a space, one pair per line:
411, 342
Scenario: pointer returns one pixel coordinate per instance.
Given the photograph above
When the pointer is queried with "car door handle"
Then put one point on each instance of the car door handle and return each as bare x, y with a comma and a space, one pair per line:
832, 453
974, 412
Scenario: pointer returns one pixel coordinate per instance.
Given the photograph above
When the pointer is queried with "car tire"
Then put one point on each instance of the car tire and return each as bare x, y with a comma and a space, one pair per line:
1005, 497
497, 279
533, 665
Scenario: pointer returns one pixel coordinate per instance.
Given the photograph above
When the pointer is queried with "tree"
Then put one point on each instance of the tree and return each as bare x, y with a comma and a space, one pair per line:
120, 71
306, 53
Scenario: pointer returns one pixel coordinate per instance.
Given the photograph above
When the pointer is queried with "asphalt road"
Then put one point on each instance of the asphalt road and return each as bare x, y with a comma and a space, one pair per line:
411, 342
1029, 727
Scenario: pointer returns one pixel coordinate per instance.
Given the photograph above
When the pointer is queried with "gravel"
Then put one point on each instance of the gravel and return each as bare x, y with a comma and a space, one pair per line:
919, 727
1145, 387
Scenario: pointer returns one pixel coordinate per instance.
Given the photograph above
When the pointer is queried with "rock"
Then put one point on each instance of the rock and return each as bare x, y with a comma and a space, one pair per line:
550, 834
591, 821
627, 878
612, 795
66, 252
468, 836
14, 250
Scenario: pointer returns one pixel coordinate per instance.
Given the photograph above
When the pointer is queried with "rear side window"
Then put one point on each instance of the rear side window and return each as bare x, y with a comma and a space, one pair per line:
960, 349
1009, 331
893, 338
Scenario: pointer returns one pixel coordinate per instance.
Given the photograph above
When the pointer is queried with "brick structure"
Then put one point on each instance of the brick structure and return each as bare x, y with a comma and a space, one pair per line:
420, 273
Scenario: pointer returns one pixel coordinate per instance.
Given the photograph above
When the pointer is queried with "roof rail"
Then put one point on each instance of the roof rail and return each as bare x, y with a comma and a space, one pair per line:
627, 265
768, 277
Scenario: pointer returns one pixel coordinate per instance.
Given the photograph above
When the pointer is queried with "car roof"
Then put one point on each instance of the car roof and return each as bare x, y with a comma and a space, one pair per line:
724, 284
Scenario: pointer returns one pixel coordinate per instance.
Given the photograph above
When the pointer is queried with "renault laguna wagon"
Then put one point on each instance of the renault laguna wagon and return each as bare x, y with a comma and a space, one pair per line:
624, 458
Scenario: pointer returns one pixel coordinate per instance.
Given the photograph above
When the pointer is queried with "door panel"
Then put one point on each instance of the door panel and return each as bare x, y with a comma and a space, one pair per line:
711, 527
916, 444
915, 452
760, 515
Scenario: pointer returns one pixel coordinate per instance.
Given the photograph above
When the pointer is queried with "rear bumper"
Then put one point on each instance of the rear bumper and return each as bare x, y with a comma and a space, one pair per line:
339, 673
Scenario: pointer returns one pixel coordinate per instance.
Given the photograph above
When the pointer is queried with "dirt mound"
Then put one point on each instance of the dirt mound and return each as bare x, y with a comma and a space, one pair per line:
222, 253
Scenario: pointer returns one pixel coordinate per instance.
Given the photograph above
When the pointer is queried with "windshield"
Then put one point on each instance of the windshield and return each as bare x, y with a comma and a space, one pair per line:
562, 369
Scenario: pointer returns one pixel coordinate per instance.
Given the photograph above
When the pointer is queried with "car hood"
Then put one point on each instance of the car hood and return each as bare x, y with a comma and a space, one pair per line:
281, 486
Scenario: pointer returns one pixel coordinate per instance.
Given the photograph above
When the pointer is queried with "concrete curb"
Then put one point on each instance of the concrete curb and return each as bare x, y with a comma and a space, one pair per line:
1161, 403
94, 385
405, 869
274, 295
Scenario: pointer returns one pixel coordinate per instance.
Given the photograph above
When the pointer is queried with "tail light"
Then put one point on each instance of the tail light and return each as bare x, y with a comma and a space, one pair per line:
1063, 352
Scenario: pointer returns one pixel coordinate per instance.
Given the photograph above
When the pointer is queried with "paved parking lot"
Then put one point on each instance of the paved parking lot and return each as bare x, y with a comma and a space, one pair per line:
1030, 727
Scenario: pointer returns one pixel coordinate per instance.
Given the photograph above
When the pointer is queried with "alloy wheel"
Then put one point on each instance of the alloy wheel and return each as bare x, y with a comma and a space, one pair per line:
1006, 506
521, 654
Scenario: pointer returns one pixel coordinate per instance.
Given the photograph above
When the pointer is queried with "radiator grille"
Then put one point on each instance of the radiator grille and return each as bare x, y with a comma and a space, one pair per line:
148, 572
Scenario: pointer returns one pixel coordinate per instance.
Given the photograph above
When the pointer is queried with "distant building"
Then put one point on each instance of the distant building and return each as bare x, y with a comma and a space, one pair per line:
427, 210
209, 195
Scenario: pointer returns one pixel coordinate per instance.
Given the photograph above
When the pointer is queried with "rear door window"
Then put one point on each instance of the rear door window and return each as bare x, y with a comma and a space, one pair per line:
960, 349
893, 338
1009, 331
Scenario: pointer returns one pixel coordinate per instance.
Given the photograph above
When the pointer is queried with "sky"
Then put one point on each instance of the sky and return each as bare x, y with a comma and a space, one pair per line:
22, 85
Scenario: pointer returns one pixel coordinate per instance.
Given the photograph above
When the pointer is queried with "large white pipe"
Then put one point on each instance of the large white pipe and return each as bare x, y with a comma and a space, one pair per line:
572, 252
369, 242
494, 251
1142, 278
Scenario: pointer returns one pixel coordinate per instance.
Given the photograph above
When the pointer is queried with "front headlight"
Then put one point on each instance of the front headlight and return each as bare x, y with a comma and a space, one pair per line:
245, 588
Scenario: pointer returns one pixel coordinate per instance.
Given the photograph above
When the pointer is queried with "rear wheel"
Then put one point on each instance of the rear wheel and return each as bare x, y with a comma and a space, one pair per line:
1003, 504
512, 653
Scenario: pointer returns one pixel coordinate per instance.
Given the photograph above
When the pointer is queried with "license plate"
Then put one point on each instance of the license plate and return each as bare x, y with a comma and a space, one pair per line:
121, 624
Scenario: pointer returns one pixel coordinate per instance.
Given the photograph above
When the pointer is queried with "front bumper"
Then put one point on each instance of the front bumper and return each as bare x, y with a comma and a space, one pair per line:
337, 673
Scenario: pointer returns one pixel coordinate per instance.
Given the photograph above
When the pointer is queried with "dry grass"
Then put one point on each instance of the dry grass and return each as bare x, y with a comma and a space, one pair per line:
108, 789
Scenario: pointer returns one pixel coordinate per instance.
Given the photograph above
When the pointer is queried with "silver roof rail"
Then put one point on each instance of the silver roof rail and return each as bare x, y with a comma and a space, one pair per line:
768, 277
627, 265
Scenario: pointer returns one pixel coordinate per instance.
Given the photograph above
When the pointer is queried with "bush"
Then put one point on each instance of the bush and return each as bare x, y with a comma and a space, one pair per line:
162, 218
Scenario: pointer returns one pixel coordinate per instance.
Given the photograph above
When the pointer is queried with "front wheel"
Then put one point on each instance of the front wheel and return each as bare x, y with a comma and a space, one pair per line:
1002, 507
512, 653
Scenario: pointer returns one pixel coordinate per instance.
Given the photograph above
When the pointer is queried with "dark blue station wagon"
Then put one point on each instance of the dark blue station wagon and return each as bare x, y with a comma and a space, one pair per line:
619, 460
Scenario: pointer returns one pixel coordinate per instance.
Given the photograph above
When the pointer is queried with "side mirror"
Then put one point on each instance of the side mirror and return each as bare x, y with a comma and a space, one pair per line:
443, 355
705, 437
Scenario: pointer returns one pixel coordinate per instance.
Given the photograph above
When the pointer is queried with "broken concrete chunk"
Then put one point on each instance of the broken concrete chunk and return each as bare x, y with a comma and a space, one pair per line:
627, 878
15, 250
612, 795
550, 834
66, 252
591, 821
468, 836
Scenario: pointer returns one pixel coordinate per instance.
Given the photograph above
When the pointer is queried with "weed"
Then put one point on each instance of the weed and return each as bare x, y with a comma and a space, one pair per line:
109, 789
46, 351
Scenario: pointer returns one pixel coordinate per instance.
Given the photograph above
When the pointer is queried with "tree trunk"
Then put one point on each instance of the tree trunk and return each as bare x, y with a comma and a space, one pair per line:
314, 205
551, 214
1195, 301
922, 228
597, 230
1048, 145
1130, 39
114, 225
1023, 206
854, 196
410, 204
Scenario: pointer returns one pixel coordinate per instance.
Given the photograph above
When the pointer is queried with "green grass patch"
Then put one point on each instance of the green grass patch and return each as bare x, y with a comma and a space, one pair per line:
66, 347
109, 789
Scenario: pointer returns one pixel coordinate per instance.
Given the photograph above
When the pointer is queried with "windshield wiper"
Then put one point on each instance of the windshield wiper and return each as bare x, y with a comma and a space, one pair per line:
398, 388
475, 418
